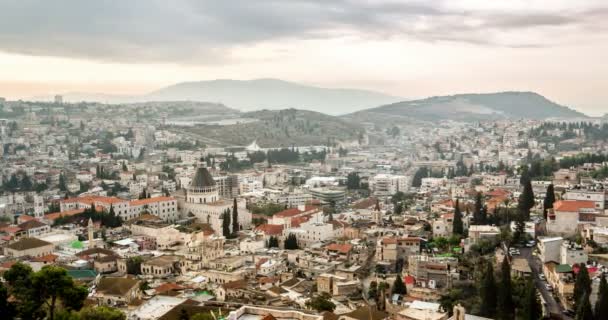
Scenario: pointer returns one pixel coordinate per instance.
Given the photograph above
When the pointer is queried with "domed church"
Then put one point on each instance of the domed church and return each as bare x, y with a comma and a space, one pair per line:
202, 199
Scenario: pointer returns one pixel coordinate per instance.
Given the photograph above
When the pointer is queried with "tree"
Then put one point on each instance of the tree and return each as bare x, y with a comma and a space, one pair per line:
525, 176
457, 225
505, 295
321, 302
19, 280
583, 311
353, 181
183, 314
526, 200
101, 313
372, 291
52, 284
582, 286
520, 226
532, 309
226, 224
549, 200
399, 208
291, 243
487, 292
235, 217
41, 292
398, 286
134, 265
7, 309
601, 305
273, 242
477, 211
62, 183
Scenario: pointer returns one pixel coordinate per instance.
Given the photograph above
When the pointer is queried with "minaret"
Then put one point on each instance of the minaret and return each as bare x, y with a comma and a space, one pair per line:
90, 230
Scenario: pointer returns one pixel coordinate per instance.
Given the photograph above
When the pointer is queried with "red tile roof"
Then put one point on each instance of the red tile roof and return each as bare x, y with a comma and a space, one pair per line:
31, 224
297, 221
573, 205
342, 248
270, 229
142, 202
67, 213
295, 211
11, 229
498, 193
92, 199
287, 213
24, 218
48, 258
165, 287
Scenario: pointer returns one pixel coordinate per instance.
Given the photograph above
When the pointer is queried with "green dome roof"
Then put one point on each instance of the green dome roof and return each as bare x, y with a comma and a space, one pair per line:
76, 244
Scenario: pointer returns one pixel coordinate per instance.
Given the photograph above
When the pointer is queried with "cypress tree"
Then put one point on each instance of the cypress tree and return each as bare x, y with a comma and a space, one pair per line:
601, 306
505, 302
477, 218
235, 217
582, 286
487, 292
583, 311
525, 176
62, 183
526, 200
457, 225
398, 286
291, 243
549, 200
532, 309
226, 224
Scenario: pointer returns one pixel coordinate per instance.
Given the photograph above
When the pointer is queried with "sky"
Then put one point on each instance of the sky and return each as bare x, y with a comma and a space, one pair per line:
411, 49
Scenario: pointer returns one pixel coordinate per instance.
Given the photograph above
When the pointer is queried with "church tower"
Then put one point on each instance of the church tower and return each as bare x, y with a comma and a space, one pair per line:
90, 231
377, 214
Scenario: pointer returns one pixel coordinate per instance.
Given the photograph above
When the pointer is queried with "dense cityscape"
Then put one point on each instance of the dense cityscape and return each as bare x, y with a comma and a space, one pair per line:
304, 160
130, 211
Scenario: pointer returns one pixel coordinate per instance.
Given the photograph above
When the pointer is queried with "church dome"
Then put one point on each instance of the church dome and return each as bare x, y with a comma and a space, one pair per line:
202, 179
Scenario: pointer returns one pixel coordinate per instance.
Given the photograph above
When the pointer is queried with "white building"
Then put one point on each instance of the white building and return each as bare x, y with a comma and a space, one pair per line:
599, 197
566, 216
572, 253
388, 184
549, 249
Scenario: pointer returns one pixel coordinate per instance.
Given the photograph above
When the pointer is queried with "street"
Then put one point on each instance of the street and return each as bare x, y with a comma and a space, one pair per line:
551, 304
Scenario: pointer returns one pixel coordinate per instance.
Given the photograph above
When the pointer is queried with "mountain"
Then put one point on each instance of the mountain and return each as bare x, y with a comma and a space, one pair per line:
272, 94
249, 95
279, 128
471, 107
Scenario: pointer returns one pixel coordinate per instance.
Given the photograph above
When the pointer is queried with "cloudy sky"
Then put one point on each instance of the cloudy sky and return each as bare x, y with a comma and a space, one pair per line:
558, 48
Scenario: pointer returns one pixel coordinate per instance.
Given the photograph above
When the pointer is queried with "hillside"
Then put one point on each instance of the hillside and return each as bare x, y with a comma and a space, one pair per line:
281, 128
472, 107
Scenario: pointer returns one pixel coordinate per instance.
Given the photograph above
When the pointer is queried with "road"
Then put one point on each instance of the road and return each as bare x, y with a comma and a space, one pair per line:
552, 306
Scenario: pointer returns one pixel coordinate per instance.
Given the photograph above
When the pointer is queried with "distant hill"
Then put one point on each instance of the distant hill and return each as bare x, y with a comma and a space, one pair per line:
284, 128
272, 94
472, 107
249, 95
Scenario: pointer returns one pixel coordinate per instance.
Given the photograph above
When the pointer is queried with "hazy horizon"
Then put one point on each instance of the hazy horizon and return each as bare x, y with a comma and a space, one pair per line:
411, 49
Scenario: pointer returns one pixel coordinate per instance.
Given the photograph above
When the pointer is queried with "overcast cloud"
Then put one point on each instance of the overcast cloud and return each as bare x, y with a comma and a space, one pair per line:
208, 31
